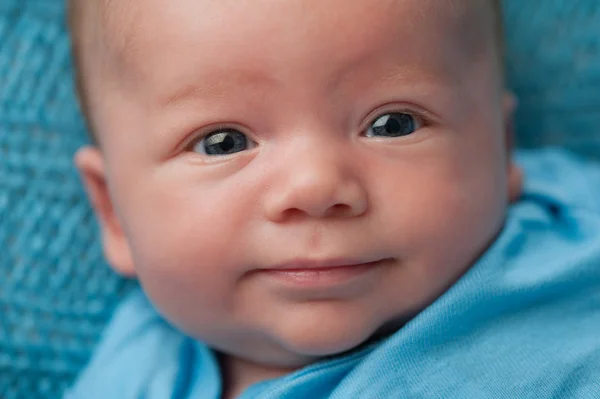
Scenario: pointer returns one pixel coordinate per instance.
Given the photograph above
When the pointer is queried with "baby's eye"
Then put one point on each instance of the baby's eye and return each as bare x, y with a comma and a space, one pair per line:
395, 124
223, 142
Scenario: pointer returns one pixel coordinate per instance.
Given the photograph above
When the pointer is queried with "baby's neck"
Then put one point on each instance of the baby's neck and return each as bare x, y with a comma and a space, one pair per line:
238, 375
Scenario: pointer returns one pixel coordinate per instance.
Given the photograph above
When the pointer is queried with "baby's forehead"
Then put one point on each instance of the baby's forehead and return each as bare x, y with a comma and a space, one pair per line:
127, 26
155, 50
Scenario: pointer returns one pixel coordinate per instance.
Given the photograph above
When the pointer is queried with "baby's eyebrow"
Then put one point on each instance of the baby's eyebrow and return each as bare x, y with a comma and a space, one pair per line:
215, 85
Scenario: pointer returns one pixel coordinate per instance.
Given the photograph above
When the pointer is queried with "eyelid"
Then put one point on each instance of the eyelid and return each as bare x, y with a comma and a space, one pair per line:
427, 118
200, 134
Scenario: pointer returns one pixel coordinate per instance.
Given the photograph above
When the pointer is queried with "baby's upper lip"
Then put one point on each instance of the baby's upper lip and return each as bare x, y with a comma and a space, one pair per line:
316, 264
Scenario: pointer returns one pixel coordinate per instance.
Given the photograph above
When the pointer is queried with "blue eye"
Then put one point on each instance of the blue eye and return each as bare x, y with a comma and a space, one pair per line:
223, 142
395, 124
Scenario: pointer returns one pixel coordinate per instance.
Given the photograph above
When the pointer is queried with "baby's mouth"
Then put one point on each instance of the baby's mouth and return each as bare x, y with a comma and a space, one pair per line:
306, 273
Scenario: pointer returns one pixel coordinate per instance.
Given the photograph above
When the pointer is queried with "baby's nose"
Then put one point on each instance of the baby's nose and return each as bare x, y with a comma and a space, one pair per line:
316, 184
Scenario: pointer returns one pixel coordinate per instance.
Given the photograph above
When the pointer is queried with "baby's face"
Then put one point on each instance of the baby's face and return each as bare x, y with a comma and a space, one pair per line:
289, 178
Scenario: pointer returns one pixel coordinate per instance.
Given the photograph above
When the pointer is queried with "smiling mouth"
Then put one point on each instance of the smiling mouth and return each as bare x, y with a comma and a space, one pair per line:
322, 274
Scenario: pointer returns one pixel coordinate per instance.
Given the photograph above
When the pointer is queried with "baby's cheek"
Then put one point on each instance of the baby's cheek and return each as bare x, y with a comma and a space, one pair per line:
464, 222
189, 283
187, 255
444, 216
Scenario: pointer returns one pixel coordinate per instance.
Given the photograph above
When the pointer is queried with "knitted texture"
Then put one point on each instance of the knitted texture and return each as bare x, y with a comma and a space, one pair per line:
56, 292
554, 67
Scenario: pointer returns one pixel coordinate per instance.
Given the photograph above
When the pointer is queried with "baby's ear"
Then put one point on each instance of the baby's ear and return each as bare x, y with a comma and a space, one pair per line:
515, 174
90, 162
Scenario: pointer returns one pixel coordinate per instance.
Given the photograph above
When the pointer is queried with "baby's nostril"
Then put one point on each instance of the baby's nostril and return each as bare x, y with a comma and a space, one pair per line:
338, 210
293, 214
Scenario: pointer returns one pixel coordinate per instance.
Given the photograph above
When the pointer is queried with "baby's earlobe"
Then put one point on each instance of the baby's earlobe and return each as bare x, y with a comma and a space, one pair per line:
90, 163
515, 182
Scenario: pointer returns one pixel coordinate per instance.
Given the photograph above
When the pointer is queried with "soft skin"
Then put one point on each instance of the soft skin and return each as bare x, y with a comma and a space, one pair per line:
303, 80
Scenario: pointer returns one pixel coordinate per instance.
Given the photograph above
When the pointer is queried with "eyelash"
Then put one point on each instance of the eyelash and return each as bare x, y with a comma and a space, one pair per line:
425, 117
207, 131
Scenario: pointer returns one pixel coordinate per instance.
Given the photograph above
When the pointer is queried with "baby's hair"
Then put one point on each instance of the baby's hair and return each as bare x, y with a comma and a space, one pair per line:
82, 17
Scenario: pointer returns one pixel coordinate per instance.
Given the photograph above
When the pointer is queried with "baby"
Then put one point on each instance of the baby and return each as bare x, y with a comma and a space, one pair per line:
314, 196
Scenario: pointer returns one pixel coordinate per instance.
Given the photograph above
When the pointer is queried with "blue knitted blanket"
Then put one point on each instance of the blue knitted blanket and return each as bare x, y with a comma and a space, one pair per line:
56, 292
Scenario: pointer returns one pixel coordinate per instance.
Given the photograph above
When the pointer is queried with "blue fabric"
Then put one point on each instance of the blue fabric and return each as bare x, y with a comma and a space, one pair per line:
522, 323
56, 292
553, 65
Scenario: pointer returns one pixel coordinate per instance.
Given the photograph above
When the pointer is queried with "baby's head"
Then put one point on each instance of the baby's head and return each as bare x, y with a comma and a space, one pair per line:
287, 179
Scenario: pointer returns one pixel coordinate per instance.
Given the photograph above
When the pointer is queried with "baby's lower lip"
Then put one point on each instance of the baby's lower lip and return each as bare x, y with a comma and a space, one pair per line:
322, 276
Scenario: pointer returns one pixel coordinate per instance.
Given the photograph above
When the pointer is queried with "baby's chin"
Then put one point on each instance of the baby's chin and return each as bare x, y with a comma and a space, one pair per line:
325, 337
